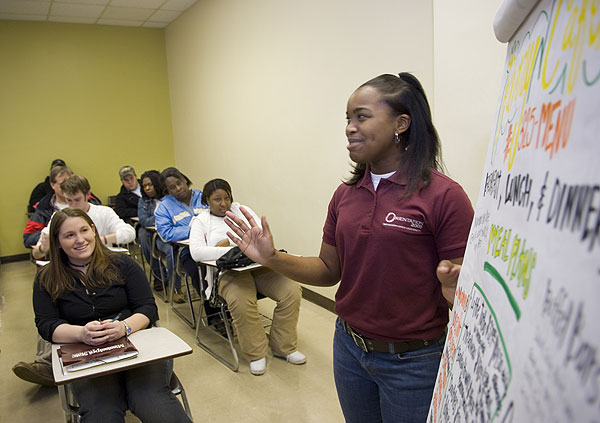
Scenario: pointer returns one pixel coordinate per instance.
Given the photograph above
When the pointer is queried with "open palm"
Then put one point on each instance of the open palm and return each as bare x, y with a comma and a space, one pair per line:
254, 241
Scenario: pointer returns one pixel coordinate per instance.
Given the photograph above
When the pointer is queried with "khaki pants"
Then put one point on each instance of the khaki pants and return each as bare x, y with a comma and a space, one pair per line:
44, 352
239, 291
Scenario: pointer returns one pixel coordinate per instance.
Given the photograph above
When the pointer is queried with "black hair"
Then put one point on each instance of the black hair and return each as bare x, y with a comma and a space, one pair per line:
175, 173
420, 144
212, 186
157, 183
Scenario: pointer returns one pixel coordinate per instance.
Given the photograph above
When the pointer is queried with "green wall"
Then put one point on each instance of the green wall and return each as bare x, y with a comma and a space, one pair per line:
95, 96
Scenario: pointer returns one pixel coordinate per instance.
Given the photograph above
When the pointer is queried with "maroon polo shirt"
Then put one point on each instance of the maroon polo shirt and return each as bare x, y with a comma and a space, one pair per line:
389, 248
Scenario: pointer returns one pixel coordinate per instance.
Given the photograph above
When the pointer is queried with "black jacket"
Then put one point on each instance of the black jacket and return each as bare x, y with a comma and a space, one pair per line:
40, 190
126, 203
43, 212
78, 307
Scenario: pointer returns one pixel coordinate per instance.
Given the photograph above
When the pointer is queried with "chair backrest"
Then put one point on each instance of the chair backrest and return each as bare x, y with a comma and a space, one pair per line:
112, 201
156, 252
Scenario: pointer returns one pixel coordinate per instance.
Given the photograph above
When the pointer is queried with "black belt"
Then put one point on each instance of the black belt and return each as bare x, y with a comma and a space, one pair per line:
372, 345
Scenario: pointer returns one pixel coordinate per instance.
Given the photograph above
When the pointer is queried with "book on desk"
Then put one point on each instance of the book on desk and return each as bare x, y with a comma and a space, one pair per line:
79, 356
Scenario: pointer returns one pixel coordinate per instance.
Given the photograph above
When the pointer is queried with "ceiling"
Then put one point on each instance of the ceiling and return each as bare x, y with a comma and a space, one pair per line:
140, 13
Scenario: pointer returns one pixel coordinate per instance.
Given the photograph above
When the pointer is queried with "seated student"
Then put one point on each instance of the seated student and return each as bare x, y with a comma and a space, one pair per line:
43, 188
152, 192
111, 230
127, 199
174, 215
50, 203
80, 267
209, 241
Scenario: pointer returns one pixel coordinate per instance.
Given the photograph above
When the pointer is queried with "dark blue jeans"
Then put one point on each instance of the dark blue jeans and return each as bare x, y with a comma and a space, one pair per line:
145, 241
382, 387
168, 249
143, 390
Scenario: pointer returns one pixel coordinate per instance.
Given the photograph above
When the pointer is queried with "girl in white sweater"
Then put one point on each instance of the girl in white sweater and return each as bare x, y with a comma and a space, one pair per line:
209, 241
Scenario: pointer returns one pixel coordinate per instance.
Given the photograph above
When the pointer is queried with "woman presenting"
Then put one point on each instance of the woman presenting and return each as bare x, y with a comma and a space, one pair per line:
394, 237
208, 241
91, 295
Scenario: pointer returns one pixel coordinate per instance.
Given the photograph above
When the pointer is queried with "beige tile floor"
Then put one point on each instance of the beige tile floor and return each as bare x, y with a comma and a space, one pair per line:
286, 393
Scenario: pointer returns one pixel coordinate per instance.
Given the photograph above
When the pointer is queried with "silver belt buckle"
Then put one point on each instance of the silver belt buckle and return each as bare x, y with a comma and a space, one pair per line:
359, 341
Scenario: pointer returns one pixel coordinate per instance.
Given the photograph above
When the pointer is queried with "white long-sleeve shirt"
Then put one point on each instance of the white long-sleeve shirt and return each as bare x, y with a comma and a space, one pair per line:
106, 222
202, 247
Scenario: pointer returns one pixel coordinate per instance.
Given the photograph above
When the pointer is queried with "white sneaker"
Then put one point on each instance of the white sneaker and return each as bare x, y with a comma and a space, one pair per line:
294, 358
258, 367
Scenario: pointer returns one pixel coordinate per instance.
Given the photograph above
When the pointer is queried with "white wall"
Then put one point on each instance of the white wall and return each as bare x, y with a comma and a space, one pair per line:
467, 67
259, 91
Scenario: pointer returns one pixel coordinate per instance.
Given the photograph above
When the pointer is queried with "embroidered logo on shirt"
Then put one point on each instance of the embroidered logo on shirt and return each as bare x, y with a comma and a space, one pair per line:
403, 222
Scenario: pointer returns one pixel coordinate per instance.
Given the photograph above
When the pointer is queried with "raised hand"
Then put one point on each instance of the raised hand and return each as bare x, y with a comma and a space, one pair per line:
254, 241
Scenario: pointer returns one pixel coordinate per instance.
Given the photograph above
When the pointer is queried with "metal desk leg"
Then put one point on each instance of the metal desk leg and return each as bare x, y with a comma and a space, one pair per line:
185, 278
204, 330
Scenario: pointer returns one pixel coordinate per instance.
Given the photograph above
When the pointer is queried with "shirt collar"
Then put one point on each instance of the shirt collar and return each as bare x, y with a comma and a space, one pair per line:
396, 178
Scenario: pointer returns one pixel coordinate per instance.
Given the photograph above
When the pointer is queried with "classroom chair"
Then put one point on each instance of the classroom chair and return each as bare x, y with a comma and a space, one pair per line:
112, 201
188, 314
161, 257
215, 332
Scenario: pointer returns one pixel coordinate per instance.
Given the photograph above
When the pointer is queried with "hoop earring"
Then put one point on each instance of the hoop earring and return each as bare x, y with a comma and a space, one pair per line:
397, 135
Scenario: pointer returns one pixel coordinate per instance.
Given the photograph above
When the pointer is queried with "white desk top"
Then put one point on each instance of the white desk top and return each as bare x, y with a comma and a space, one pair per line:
213, 263
153, 344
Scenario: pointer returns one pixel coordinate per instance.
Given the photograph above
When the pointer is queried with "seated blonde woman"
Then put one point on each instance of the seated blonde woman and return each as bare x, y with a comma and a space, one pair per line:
208, 241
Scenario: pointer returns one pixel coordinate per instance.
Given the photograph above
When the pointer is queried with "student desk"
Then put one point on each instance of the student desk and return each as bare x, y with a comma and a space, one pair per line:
153, 344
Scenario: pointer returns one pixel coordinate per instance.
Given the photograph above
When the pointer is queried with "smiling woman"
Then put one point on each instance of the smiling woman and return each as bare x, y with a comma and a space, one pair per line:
76, 298
77, 239
394, 238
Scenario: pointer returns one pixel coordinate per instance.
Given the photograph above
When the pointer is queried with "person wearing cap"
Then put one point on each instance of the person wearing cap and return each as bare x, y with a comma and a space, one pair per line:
127, 200
43, 188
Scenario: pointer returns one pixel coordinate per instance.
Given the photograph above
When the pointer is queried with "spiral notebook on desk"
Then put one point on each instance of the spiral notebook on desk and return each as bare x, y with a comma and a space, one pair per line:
79, 356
